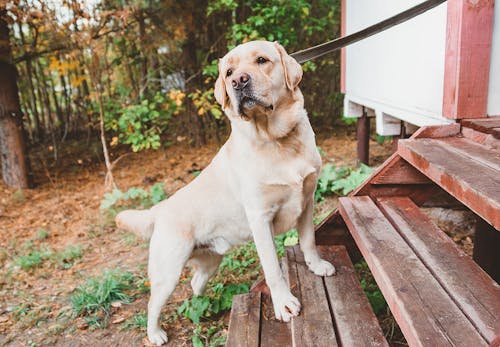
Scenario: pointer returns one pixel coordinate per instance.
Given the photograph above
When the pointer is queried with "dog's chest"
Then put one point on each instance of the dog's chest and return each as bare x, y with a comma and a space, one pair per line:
289, 192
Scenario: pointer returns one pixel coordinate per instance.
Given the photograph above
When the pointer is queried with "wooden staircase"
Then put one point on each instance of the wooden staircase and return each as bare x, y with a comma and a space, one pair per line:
438, 295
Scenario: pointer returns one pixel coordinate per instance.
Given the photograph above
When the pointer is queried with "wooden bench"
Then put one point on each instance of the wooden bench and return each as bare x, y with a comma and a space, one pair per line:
335, 311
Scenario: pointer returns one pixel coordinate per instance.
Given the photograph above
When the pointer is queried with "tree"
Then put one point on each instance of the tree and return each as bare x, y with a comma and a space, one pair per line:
12, 145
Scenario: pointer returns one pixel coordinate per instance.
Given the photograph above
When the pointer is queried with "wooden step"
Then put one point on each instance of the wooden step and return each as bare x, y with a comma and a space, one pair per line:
473, 291
426, 314
465, 169
335, 311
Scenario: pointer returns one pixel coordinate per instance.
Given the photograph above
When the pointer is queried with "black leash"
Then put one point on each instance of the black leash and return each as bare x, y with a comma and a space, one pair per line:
330, 46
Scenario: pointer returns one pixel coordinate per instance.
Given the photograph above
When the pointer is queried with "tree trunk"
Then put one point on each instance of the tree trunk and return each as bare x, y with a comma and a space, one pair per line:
12, 146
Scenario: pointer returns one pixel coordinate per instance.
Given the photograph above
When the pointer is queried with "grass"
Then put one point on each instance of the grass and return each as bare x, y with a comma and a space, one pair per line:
37, 256
138, 322
93, 299
33, 259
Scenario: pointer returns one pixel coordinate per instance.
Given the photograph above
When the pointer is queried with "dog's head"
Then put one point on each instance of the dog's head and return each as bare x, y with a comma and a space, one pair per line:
255, 78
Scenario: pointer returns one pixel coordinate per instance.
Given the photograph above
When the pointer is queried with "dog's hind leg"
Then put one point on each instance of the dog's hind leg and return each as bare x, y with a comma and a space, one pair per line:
168, 254
307, 241
204, 264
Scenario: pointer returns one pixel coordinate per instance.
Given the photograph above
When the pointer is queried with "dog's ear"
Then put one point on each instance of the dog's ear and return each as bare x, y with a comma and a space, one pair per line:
220, 88
292, 69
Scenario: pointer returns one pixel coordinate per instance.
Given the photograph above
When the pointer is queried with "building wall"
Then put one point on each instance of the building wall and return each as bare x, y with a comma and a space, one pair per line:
398, 74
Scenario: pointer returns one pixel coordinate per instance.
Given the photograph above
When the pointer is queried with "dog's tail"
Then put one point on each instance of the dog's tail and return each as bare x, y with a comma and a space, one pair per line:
141, 222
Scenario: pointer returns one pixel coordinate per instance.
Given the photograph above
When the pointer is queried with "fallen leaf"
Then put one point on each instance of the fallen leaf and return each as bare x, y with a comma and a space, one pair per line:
118, 320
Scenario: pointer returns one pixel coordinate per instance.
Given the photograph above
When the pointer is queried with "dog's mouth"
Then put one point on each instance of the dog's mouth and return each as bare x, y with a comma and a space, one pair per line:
248, 101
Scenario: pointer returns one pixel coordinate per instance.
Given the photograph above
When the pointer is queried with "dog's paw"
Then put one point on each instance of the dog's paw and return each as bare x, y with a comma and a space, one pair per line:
157, 337
286, 306
322, 268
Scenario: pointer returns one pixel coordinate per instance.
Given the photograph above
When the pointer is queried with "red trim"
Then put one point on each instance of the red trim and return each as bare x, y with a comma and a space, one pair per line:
467, 60
342, 51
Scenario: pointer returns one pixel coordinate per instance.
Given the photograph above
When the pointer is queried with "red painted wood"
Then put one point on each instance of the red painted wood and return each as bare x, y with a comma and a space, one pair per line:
399, 171
435, 131
468, 285
314, 325
470, 179
467, 58
485, 125
244, 321
490, 140
424, 311
354, 318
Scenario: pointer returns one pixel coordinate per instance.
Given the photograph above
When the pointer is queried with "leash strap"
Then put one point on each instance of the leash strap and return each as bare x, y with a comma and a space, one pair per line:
330, 46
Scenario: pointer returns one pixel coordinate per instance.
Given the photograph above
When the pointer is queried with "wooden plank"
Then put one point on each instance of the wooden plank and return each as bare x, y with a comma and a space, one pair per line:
488, 140
496, 133
435, 131
471, 288
354, 318
484, 125
244, 321
467, 58
482, 155
424, 311
399, 171
476, 185
314, 326
273, 333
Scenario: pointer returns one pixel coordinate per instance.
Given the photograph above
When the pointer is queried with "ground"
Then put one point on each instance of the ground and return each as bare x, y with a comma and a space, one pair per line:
62, 218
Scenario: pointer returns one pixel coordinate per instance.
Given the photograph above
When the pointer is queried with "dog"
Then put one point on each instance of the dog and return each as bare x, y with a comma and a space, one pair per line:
260, 183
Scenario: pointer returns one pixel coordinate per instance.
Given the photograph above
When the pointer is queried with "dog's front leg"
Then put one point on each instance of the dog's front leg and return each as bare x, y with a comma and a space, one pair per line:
307, 241
285, 304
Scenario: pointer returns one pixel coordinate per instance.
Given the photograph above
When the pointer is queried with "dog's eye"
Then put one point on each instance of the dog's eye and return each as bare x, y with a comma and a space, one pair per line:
262, 60
229, 72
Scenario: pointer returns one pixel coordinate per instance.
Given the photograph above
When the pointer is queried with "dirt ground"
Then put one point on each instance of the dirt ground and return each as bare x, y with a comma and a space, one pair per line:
63, 210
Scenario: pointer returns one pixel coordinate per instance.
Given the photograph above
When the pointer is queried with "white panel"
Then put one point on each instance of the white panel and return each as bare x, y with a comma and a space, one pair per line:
494, 83
401, 69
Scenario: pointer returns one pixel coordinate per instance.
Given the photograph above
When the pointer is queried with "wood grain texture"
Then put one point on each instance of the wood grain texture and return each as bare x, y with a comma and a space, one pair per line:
314, 326
471, 288
399, 171
484, 125
467, 58
424, 311
469, 180
436, 131
354, 318
244, 322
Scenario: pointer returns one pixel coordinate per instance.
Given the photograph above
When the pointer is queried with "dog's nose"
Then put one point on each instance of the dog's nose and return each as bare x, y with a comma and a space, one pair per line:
241, 81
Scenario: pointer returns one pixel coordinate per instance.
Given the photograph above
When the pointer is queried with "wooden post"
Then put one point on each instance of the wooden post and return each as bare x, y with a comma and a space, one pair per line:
487, 248
363, 137
467, 58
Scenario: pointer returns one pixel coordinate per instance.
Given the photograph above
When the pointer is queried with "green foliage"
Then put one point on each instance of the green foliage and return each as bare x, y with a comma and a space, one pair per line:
218, 300
211, 336
138, 321
137, 197
93, 298
33, 259
67, 257
340, 180
239, 259
140, 125
370, 287
290, 238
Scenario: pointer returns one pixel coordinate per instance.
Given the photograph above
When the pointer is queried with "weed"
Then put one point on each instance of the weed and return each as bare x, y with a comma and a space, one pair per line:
18, 196
370, 287
239, 259
218, 300
137, 321
134, 197
66, 258
93, 299
340, 180
42, 234
290, 238
211, 336
34, 259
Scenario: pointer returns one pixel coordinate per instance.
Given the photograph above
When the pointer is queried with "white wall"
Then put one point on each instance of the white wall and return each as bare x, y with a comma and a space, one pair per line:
494, 82
398, 73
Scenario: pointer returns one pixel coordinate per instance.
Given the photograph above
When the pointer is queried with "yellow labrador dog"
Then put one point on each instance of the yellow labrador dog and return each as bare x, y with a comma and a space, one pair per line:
260, 183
